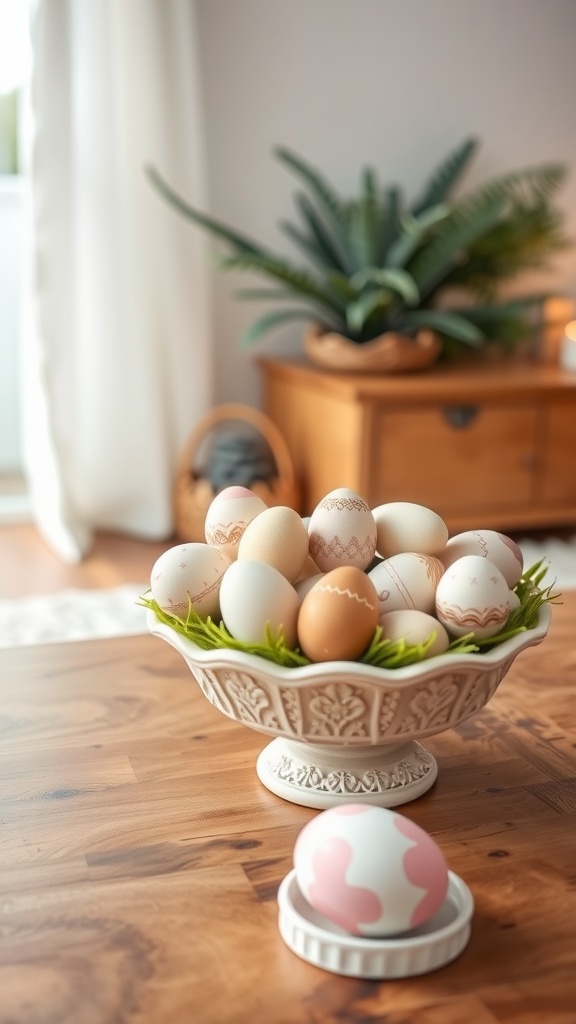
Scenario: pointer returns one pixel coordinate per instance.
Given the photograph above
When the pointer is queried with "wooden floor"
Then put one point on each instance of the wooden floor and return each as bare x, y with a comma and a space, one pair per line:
29, 566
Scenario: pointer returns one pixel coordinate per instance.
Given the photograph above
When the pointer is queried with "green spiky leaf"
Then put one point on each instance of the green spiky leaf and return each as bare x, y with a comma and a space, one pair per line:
266, 323
399, 281
455, 325
238, 242
454, 235
300, 281
446, 176
330, 204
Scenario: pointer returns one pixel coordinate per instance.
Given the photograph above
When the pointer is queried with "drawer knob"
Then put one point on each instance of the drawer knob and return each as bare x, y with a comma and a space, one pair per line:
460, 416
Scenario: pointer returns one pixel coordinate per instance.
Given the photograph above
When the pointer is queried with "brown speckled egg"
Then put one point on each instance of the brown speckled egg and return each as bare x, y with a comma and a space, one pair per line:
338, 616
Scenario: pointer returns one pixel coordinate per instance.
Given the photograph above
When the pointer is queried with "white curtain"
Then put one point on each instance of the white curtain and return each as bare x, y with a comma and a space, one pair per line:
117, 359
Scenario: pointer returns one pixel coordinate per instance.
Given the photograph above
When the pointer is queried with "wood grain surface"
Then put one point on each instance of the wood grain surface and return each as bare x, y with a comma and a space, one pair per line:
140, 857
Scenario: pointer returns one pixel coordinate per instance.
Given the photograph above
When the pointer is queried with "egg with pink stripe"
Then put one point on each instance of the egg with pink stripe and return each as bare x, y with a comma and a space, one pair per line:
227, 517
370, 870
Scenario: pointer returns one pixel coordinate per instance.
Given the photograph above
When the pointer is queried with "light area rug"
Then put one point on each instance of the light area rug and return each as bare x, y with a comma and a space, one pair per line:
73, 614
70, 615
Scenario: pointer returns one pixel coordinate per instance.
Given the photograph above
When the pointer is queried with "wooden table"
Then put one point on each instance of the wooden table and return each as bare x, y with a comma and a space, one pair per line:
141, 857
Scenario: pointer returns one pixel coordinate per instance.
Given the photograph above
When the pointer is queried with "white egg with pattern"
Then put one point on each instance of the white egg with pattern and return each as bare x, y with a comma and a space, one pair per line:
342, 531
407, 580
497, 547
189, 574
228, 516
473, 597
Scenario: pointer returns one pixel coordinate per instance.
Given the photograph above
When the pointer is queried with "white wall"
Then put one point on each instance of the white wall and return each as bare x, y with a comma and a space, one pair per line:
396, 83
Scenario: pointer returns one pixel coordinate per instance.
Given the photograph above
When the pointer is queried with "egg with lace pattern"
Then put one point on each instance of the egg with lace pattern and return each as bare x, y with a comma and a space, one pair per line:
227, 517
342, 531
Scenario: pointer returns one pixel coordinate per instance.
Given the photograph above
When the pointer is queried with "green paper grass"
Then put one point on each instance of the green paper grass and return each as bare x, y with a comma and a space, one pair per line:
381, 653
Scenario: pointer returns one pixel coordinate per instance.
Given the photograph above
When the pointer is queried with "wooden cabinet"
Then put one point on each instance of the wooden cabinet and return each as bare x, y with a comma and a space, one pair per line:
490, 446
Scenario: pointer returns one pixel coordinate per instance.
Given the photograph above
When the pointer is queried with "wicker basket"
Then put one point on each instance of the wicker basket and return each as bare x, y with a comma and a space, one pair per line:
194, 493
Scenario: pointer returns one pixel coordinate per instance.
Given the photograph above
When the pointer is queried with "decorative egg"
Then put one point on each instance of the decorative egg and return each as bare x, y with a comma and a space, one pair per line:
338, 616
255, 597
370, 870
279, 538
228, 516
500, 549
189, 574
407, 580
415, 628
473, 597
404, 526
342, 531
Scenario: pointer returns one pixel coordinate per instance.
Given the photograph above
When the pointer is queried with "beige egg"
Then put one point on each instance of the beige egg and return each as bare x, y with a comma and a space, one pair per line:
342, 531
338, 616
302, 586
497, 547
278, 537
189, 574
473, 597
407, 580
415, 628
228, 516
405, 526
308, 569
255, 597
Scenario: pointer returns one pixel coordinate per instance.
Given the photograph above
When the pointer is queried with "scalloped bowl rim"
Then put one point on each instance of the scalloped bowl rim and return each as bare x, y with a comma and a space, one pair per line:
301, 675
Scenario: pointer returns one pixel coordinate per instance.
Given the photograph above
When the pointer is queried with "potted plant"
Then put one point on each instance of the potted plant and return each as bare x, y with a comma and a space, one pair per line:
389, 285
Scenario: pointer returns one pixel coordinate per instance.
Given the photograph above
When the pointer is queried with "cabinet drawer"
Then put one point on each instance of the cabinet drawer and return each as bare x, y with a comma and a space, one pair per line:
558, 480
457, 459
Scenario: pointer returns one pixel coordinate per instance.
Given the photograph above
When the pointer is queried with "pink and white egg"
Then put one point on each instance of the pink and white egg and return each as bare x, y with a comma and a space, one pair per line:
369, 870
228, 516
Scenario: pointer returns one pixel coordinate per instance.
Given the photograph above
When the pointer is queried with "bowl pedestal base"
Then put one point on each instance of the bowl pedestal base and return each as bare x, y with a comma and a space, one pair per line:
321, 775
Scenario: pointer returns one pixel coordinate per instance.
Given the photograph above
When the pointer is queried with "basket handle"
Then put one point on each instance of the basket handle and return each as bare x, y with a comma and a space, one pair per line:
233, 411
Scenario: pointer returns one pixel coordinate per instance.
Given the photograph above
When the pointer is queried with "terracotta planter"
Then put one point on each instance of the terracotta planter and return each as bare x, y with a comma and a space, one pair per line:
388, 353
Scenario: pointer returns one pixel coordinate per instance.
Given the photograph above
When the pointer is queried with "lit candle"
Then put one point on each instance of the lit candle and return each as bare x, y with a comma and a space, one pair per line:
568, 347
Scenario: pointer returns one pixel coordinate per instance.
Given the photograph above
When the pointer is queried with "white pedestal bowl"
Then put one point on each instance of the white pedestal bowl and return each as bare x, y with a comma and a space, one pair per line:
343, 731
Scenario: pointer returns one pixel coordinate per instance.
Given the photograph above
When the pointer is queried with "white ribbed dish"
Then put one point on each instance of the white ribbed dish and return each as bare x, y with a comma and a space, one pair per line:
342, 730
320, 942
